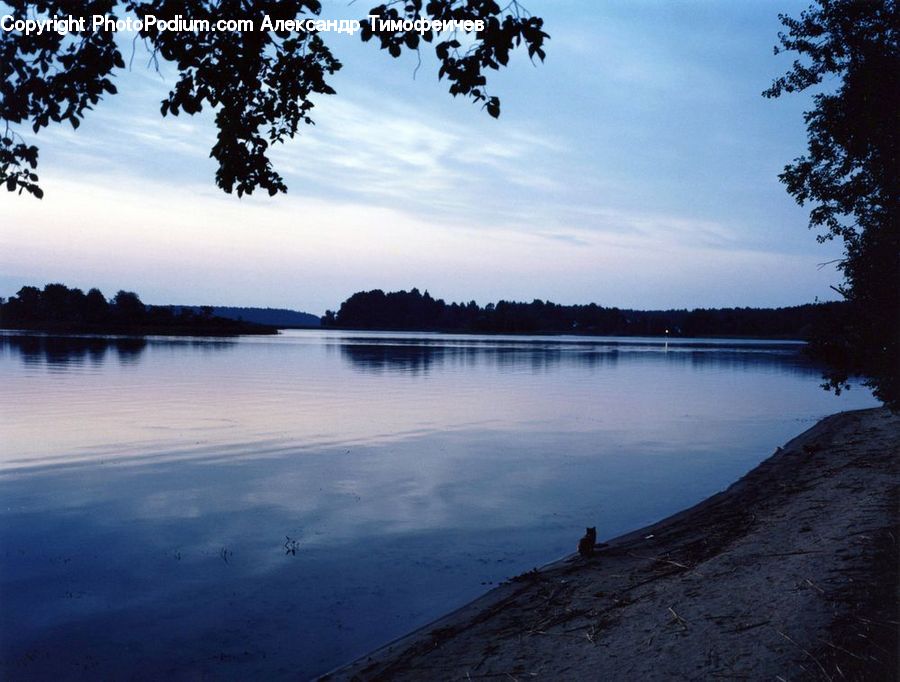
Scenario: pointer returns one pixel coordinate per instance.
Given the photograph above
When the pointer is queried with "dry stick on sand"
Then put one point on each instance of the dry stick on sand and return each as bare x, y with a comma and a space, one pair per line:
816, 660
679, 619
661, 560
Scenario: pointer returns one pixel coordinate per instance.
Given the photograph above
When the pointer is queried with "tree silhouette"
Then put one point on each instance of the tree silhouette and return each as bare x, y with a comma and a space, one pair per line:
260, 83
849, 174
413, 310
128, 307
57, 308
96, 307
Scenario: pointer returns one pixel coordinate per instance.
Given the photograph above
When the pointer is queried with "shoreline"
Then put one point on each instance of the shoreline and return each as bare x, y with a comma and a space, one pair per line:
135, 332
790, 571
792, 339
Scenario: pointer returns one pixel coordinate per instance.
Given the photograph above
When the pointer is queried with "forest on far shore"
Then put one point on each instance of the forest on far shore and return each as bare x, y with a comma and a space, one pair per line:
416, 311
57, 308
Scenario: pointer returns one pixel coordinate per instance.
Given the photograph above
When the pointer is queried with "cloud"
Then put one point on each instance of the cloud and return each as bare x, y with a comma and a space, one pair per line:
621, 157
191, 244
388, 153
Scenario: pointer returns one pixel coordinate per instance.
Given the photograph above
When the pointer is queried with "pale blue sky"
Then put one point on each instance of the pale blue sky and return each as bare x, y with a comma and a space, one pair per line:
637, 167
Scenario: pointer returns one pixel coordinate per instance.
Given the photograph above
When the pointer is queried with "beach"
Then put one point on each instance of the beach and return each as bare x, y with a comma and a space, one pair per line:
790, 573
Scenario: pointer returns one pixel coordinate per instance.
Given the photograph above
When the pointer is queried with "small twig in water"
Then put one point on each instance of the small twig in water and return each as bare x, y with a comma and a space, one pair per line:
291, 545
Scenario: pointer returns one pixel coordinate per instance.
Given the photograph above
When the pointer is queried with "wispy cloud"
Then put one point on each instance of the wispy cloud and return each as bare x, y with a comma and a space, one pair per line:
632, 167
388, 153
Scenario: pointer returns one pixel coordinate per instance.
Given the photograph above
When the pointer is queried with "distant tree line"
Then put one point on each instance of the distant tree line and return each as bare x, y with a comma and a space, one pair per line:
274, 317
413, 310
57, 308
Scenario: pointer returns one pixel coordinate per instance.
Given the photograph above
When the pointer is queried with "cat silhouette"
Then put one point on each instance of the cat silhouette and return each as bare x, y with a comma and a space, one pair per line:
586, 543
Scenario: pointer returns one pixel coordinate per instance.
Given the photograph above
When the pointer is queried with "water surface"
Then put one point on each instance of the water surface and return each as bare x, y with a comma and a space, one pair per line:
276, 506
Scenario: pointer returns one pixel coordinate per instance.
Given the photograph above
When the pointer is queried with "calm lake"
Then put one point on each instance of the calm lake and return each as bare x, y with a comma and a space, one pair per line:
272, 507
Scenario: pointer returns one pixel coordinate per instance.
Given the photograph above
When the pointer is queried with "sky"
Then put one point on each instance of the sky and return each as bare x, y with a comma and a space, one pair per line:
637, 167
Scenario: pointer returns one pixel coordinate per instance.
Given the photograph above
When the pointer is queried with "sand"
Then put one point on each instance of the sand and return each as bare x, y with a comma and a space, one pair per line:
791, 573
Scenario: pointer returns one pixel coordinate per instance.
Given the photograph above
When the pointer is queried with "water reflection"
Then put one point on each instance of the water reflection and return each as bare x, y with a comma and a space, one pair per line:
149, 486
422, 356
72, 350
62, 351
422, 359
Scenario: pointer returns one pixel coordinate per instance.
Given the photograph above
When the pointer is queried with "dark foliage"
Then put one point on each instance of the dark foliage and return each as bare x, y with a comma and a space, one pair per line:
259, 83
57, 308
849, 175
412, 310
505, 29
273, 317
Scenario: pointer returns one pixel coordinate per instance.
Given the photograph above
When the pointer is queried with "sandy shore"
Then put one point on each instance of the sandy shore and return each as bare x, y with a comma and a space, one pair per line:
791, 573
